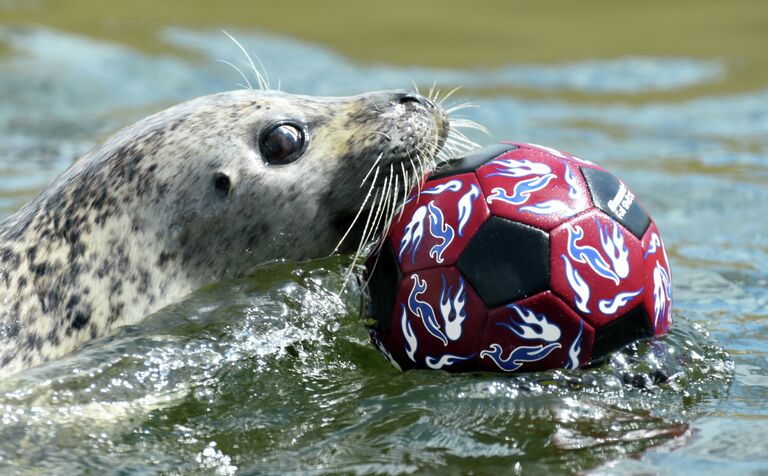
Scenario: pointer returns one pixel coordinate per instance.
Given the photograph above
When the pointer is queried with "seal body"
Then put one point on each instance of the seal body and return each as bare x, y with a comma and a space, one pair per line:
189, 196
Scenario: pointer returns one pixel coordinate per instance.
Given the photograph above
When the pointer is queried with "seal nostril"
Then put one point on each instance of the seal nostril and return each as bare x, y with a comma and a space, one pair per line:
222, 184
413, 97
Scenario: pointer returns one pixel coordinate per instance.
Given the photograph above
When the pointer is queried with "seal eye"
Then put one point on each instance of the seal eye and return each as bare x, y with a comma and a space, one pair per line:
282, 144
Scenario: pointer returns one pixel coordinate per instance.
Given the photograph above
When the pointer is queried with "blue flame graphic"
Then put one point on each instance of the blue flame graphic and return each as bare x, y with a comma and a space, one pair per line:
533, 326
610, 306
588, 255
414, 232
551, 207
519, 168
452, 309
573, 184
575, 350
522, 191
614, 248
518, 356
441, 230
411, 341
452, 186
423, 309
653, 245
465, 206
579, 286
662, 295
445, 360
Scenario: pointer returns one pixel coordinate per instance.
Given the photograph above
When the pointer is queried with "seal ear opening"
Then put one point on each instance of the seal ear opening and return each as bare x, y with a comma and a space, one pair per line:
222, 184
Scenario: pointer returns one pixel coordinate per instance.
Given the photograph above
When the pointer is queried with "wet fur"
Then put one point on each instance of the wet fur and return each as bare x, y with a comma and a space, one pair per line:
139, 222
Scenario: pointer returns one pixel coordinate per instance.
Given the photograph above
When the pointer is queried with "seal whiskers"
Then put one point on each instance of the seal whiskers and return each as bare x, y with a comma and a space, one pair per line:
420, 163
262, 79
247, 84
202, 191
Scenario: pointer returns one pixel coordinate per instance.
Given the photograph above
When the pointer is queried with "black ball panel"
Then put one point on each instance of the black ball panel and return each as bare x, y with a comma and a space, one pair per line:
383, 282
621, 332
472, 161
610, 195
506, 261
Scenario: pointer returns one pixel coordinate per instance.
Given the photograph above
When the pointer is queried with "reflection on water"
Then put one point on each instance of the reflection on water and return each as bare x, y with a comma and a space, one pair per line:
274, 372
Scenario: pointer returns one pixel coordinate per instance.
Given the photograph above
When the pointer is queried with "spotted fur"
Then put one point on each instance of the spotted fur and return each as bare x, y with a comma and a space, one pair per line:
139, 222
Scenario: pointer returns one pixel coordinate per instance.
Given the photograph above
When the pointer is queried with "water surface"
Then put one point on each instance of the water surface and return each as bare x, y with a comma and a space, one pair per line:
274, 373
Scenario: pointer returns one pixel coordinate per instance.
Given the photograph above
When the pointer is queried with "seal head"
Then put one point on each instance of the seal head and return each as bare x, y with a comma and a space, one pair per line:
202, 191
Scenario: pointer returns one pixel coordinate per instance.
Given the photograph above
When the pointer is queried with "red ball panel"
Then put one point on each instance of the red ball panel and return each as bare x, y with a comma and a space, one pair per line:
596, 266
438, 321
658, 281
533, 187
538, 333
436, 225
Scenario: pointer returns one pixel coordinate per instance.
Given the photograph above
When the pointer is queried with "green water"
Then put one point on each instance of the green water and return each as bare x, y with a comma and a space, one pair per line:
274, 374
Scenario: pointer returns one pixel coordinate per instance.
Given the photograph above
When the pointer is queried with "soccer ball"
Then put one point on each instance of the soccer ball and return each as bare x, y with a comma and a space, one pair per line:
517, 258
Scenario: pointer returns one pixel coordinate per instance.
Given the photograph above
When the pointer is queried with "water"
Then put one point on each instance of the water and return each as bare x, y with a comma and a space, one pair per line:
274, 373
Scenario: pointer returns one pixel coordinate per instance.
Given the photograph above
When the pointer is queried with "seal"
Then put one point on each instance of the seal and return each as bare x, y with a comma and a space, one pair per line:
202, 191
